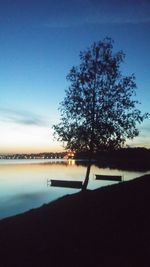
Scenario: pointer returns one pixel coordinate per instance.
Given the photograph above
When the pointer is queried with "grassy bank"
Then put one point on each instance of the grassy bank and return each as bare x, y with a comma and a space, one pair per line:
105, 227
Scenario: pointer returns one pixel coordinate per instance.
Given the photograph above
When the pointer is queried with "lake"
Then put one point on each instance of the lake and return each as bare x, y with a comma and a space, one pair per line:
23, 183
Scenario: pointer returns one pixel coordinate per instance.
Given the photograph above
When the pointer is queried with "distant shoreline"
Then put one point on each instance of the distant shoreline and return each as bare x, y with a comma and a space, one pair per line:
131, 163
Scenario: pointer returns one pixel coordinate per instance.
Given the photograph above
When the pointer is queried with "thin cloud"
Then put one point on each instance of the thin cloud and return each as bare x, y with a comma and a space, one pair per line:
21, 117
102, 12
93, 21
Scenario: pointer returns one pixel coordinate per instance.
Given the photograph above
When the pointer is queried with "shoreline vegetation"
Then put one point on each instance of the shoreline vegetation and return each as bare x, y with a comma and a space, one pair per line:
104, 227
126, 158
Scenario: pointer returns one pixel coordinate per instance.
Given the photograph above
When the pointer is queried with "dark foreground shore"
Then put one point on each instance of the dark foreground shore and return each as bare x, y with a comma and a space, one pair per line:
105, 227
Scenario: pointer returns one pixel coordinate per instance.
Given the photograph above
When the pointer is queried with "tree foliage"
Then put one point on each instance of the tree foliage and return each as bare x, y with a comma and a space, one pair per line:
99, 111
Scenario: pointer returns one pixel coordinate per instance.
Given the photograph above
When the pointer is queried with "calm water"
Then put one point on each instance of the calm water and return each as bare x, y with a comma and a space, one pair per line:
23, 184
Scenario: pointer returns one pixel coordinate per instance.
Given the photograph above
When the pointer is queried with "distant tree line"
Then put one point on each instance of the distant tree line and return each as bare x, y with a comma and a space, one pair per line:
127, 158
45, 155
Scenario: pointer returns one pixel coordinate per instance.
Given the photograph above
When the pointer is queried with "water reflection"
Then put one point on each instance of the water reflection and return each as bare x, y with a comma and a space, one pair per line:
23, 184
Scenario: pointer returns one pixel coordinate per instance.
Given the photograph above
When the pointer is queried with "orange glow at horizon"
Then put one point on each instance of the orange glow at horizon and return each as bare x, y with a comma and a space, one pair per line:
27, 139
31, 149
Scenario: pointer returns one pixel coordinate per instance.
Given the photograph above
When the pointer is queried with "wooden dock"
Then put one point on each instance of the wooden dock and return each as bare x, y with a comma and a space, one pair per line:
65, 183
116, 178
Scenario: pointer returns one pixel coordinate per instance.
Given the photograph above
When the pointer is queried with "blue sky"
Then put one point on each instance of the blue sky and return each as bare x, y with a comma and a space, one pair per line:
40, 41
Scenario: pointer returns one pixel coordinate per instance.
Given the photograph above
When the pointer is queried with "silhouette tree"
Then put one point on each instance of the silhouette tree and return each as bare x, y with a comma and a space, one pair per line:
99, 111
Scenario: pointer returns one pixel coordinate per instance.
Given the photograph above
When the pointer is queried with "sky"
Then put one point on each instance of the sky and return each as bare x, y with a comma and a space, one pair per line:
40, 40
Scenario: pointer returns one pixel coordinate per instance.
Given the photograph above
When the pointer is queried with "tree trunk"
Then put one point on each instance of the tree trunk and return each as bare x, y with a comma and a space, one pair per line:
85, 184
84, 187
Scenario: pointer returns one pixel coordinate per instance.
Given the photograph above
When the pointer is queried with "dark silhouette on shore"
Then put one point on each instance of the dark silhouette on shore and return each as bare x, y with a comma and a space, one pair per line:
124, 158
99, 112
101, 228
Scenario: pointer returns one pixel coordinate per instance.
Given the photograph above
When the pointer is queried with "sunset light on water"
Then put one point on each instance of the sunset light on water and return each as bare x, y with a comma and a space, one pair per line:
23, 185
